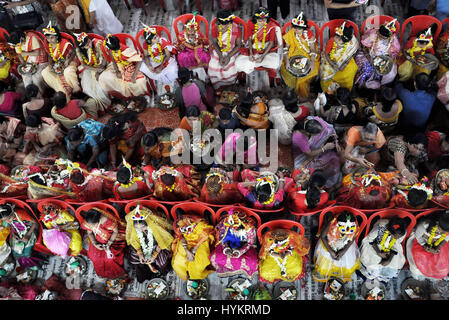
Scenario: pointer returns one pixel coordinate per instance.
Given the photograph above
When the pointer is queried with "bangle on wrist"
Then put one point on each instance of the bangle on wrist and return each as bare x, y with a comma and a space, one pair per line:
402, 171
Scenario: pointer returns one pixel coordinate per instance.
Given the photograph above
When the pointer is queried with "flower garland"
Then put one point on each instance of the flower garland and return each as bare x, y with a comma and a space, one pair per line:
171, 188
256, 40
91, 54
58, 50
117, 54
161, 53
271, 182
134, 180
384, 239
220, 41
432, 235
18, 48
334, 49
423, 50
147, 247
298, 37
390, 41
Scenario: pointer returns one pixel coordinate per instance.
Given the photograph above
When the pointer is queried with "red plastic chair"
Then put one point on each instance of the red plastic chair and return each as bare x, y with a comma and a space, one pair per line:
444, 21
437, 204
188, 16
332, 24
123, 37
262, 211
192, 208
159, 30
282, 224
426, 213
419, 23
64, 35
213, 205
3, 34
307, 213
377, 21
249, 212
311, 24
150, 204
338, 209
92, 205
390, 213
39, 200
236, 20
21, 204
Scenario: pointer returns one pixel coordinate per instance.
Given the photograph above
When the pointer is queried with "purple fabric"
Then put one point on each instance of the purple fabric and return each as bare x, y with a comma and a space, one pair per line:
226, 265
186, 58
29, 262
56, 241
192, 97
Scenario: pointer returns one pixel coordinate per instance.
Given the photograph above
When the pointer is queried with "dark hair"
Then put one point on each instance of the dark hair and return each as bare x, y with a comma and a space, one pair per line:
396, 226
343, 95
223, 14
258, 11
3, 119
113, 43
168, 179
443, 221
263, 193
313, 196
60, 100
371, 128
91, 216
77, 177
184, 75
347, 34
193, 111
243, 111
148, 36
149, 139
416, 197
31, 91
422, 81
3, 86
247, 100
344, 215
416, 138
311, 126
290, 101
317, 179
38, 179
15, 37
225, 114
383, 30
110, 131
75, 133
123, 175
33, 120
6, 210
388, 98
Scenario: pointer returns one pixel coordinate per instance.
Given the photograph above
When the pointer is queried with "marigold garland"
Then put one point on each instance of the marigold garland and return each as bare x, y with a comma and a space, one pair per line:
161, 59
220, 41
58, 50
256, 40
384, 239
117, 55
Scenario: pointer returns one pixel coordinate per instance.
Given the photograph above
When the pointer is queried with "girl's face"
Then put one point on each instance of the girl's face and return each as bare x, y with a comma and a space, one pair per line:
416, 149
338, 40
299, 31
193, 119
261, 21
32, 130
53, 39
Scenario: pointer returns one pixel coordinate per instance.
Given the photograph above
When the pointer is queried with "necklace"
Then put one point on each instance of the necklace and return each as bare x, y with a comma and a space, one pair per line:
92, 56
282, 265
58, 50
384, 239
432, 235
256, 40
147, 247
161, 59
117, 54
220, 40
334, 49
299, 38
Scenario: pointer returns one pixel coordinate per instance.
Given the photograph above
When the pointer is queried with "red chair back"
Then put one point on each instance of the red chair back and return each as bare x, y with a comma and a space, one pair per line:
159, 30
332, 24
443, 22
95, 205
194, 209
390, 213
213, 205
442, 205
56, 202
419, 23
123, 37
281, 224
426, 213
306, 213
30, 214
39, 36
312, 24
150, 204
68, 37
236, 20
188, 16
246, 210
3, 34
377, 21
337, 210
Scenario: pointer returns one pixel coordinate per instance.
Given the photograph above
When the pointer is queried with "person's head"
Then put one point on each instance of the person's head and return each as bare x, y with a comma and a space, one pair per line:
52, 34
443, 222
388, 28
243, 111
422, 81
247, 100
369, 132
396, 226
343, 96
191, 27
425, 37
193, 113
344, 34
224, 18
168, 179
112, 42
38, 178
300, 23
384, 32
124, 175
150, 34
92, 216
6, 212
263, 192
213, 184
15, 38
184, 75
309, 127
33, 121
82, 40
388, 98
346, 223
290, 101
149, 140
75, 136
77, 177
31, 91
140, 225
60, 100
317, 179
416, 143
416, 197
225, 115
3, 87
261, 16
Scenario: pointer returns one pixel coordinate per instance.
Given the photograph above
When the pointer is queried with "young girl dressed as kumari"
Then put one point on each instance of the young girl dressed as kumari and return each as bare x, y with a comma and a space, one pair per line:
226, 42
122, 75
159, 58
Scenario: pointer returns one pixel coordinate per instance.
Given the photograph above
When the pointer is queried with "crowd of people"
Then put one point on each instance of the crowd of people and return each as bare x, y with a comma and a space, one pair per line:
355, 114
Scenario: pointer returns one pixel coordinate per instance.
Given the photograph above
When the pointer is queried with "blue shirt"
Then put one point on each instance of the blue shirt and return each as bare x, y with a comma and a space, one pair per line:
232, 124
417, 106
92, 134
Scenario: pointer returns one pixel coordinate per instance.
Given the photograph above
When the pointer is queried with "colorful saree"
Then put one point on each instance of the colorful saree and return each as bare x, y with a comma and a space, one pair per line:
192, 54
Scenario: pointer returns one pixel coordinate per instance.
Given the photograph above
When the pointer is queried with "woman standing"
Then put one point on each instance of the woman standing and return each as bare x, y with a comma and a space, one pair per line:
92, 64
300, 41
106, 242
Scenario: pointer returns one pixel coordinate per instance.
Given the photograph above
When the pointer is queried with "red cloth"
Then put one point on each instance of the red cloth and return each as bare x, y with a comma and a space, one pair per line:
142, 190
229, 195
72, 110
433, 148
305, 112
297, 201
5, 169
11, 102
431, 265
271, 36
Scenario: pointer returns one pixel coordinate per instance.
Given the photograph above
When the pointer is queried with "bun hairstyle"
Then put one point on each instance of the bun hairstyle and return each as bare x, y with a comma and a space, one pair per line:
396, 226
91, 216
124, 175
388, 98
60, 100
348, 32
149, 139
416, 197
290, 101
